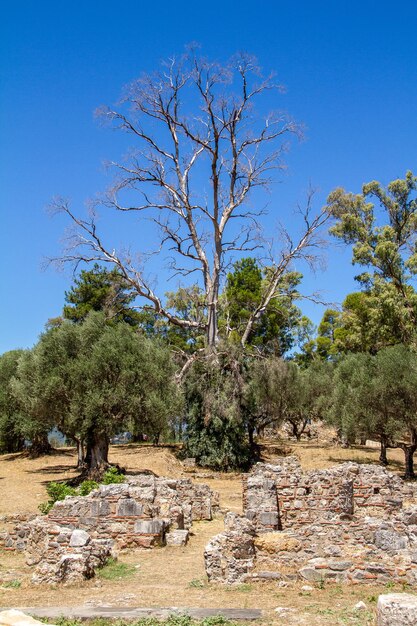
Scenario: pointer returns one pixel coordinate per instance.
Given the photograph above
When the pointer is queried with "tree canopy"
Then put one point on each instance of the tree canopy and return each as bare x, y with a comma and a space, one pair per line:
94, 379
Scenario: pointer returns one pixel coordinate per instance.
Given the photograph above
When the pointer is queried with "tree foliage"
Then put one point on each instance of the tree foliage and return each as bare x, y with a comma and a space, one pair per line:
94, 379
100, 289
12, 431
375, 396
384, 244
278, 326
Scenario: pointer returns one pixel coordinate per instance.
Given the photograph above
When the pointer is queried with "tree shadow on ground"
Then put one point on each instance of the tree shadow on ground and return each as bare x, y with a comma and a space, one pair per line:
393, 465
16, 456
52, 469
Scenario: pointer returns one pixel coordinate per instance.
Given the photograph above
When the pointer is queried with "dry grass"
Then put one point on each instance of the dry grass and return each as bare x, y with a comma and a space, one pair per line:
174, 576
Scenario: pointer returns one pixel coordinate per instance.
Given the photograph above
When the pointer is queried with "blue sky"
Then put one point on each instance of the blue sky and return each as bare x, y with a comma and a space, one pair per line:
349, 68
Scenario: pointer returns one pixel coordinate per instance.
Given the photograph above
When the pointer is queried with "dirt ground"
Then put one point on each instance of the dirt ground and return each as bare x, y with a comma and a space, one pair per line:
173, 576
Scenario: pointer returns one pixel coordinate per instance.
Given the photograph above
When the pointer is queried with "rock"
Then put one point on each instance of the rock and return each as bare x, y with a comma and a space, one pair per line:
79, 538
311, 574
277, 542
397, 609
360, 606
307, 588
389, 540
177, 538
12, 617
282, 611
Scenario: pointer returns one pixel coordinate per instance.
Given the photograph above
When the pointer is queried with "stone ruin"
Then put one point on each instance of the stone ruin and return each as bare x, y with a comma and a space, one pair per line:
81, 533
351, 523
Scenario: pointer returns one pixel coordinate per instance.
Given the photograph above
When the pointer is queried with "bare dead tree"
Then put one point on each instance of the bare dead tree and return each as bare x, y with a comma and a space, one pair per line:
201, 151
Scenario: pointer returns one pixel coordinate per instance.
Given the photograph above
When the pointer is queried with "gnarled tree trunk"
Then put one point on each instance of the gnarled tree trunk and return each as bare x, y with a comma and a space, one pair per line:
97, 452
383, 454
40, 445
409, 450
80, 452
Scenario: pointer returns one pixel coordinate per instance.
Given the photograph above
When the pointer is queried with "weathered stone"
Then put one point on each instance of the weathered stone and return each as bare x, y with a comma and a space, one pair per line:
311, 574
12, 617
177, 538
78, 538
389, 540
149, 527
397, 609
334, 524
277, 542
129, 507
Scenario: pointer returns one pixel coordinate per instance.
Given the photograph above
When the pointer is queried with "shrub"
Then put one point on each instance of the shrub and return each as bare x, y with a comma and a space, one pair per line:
87, 486
56, 491
59, 491
113, 476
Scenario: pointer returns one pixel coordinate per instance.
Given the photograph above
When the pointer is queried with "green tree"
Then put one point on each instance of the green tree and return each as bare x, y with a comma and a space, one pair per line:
307, 395
324, 346
375, 396
11, 420
216, 430
384, 243
100, 289
278, 327
93, 379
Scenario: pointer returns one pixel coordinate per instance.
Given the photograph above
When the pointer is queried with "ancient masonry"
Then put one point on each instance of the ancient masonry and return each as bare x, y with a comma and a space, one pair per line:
80, 533
351, 523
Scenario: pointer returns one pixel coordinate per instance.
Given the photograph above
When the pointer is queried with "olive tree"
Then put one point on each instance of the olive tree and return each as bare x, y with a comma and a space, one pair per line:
94, 379
376, 396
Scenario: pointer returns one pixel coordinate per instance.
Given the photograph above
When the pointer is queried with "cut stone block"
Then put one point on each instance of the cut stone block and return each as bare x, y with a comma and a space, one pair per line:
149, 527
128, 506
100, 508
397, 609
177, 538
389, 540
311, 574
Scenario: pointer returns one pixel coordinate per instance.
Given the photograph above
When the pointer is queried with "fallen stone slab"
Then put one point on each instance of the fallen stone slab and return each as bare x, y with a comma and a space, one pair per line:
12, 617
397, 609
83, 612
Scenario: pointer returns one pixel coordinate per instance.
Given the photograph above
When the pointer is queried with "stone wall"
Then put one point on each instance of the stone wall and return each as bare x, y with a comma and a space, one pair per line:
64, 555
277, 497
81, 532
352, 523
140, 512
